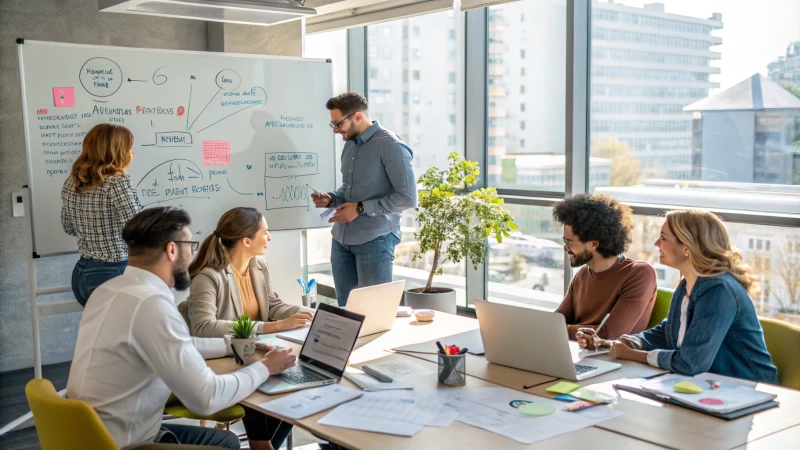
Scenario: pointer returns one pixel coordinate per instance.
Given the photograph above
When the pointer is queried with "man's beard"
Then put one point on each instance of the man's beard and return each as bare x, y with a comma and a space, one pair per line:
352, 132
181, 275
582, 258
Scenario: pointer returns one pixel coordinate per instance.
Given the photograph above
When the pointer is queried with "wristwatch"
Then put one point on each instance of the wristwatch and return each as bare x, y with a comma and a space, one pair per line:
360, 208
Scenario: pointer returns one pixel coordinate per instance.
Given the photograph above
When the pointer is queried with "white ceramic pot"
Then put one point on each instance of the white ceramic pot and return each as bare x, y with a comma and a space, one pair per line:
244, 350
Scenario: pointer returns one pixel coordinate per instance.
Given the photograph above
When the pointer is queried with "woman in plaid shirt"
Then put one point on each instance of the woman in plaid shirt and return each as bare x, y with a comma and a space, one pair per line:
97, 199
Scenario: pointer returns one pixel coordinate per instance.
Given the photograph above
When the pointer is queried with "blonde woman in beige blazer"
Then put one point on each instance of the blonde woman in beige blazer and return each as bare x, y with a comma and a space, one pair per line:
231, 278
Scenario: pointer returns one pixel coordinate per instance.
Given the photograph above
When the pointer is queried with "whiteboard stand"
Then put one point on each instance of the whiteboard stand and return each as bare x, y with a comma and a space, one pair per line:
47, 309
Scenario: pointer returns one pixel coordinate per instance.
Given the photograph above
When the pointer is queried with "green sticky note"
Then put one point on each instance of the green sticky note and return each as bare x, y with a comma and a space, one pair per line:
583, 394
537, 409
686, 387
563, 387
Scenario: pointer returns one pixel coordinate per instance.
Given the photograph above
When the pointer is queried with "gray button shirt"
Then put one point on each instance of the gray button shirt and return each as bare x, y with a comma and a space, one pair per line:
376, 170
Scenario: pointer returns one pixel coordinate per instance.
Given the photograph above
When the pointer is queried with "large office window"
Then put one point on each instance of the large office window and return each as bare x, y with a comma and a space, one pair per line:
528, 268
526, 72
432, 83
699, 107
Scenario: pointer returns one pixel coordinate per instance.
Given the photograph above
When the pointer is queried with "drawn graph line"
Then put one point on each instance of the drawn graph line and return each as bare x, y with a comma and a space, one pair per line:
293, 193
204, 108
193, 170
234, 190
188, 162
189, 108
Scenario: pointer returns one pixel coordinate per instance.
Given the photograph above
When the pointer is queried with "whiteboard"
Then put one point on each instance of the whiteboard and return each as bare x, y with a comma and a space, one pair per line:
212, 130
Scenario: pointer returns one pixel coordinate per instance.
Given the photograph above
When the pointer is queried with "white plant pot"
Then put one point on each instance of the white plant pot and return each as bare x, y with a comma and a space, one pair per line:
245, 349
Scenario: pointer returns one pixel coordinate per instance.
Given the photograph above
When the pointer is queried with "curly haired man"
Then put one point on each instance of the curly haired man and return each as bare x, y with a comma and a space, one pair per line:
597, 231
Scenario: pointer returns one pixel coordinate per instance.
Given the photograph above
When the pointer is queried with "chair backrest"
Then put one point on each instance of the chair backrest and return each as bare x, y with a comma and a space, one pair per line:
783, 340
63, 424
661, 308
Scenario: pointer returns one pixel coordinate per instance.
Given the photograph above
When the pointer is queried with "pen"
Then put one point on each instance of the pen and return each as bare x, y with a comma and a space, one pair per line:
463, 350
377, 375
603, 322
314, 189
441, 349
656, 375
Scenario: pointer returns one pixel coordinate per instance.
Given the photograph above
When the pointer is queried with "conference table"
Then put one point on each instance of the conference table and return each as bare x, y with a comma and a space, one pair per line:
645, 424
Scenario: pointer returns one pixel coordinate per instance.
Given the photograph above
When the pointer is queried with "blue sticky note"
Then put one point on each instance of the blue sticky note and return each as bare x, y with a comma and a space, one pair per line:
565, 398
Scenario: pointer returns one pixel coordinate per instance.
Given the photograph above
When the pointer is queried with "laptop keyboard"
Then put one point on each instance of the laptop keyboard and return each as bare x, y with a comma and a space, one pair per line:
296, 375
580, 368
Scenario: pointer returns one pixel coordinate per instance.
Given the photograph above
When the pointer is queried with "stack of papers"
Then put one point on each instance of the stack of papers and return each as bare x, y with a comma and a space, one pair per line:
311, 401
718, 394
398, 412
471, 340
298, 335
495, 410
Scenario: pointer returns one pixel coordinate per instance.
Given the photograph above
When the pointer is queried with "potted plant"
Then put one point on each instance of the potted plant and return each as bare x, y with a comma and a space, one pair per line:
243, 340
455, 222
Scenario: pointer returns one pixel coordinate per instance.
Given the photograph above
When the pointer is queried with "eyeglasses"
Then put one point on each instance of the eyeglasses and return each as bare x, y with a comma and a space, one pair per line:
195, 244
335, 125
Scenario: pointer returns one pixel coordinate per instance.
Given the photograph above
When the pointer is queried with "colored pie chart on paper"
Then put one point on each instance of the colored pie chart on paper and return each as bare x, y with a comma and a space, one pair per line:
711, 401
537, 409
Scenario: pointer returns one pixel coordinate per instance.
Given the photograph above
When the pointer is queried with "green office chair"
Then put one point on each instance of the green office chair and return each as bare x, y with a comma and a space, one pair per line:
783, 340
661, 307
227, 416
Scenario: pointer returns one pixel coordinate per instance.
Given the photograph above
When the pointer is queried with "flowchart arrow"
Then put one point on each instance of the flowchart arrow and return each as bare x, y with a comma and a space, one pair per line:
139, 81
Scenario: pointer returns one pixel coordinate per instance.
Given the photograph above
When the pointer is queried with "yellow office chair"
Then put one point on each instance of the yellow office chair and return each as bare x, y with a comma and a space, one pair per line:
227, 416
661, 307
63, 424
783, 340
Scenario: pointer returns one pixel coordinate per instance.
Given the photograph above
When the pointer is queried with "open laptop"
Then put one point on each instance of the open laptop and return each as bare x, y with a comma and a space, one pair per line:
532, 340
325, 352
378, 304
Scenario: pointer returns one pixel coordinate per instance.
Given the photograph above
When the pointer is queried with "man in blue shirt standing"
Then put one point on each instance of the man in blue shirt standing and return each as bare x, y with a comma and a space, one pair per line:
378, 185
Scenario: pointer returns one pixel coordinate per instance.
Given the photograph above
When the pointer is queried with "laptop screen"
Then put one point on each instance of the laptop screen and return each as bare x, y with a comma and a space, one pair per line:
331, 338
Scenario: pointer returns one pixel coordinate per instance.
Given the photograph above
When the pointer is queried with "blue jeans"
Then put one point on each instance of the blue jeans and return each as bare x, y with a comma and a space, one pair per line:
88, 274
361, 265
191, 435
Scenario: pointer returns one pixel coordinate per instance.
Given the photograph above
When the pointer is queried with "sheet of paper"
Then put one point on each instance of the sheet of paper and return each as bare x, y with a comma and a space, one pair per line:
311, 401
492, 409
578, 353
397, 412
471, 340
401, 369
298, 335
328, 213
369, 384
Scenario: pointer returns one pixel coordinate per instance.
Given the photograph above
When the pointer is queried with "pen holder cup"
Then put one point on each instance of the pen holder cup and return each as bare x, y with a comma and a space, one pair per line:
452, 370
310, 300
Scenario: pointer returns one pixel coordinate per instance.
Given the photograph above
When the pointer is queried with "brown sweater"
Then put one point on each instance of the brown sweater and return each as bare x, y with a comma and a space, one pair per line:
627, 291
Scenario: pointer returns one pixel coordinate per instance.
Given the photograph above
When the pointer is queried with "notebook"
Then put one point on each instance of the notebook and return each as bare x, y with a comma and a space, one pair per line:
720, 395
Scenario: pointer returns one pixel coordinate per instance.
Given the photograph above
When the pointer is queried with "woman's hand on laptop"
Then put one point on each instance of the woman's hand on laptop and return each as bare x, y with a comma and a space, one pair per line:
587, 338
296, 321
278, 360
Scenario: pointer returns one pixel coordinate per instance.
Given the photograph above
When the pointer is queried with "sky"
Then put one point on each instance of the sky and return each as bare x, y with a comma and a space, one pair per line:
754, 34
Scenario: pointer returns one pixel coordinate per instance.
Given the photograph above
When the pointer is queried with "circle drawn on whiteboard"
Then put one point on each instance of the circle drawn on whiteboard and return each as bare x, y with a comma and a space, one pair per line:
711, 401
101, 77
228, 80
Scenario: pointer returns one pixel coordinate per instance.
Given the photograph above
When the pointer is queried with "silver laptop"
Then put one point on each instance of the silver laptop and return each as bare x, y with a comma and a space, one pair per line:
532, 340
325, 352
378, 304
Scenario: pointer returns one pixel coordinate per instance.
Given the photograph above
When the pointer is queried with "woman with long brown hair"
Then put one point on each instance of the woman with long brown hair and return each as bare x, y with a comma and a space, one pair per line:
712, 324
97, 199
229, 278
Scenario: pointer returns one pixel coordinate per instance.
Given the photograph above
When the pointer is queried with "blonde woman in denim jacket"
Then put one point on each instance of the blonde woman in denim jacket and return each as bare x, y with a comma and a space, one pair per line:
712, 324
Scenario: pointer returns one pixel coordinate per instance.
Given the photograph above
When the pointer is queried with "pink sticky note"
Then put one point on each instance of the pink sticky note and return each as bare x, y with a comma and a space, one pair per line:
216, 153
64, 97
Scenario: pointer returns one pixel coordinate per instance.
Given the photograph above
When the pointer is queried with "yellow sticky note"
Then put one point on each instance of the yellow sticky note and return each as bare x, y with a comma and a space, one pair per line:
685, 387
583, 394
563, 387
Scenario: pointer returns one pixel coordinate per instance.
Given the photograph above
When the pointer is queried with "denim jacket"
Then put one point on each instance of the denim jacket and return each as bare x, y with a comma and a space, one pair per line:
722, 336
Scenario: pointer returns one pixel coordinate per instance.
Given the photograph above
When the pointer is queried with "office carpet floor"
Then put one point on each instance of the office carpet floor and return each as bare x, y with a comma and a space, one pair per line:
14, 405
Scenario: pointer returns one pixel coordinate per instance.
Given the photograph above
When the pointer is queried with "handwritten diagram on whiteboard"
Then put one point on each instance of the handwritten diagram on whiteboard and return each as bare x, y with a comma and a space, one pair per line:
212, 130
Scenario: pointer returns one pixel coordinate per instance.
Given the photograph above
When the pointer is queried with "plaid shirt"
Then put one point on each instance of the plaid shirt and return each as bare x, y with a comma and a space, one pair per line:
96, 217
